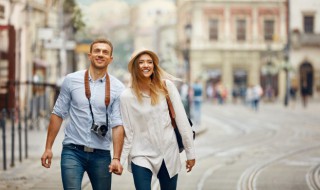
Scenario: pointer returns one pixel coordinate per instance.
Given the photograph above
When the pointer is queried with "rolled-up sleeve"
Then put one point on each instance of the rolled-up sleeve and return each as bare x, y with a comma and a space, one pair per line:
62, 105
115, 114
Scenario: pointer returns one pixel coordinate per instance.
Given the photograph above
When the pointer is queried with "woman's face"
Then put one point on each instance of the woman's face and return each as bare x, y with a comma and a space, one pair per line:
146, 65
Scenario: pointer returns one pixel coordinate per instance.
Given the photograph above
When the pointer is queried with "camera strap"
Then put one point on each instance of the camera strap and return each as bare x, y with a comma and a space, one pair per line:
88, 94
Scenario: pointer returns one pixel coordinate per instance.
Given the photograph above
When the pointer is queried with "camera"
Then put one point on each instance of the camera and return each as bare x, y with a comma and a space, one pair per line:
100, 130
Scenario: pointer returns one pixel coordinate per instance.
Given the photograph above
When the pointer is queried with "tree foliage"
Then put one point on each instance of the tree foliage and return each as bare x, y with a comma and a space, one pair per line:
71, 8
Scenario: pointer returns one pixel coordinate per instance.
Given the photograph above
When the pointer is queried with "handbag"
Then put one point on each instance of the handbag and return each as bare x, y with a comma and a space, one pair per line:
174, 124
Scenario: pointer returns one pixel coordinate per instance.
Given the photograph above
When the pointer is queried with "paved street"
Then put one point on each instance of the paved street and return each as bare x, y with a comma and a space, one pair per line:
275, 148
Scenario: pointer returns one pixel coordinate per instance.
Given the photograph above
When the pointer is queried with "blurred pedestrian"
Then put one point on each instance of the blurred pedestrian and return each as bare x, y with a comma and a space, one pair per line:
256, 95
293, 94
249, 95
221, 91
235, 94
197, 101
150, 144
269, 93
210, 92
253, 95
304, 92
90, 99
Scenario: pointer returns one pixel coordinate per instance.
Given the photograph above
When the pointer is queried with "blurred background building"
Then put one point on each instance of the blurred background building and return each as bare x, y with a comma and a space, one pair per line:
305, 44
231, 42
37, 51
235, 42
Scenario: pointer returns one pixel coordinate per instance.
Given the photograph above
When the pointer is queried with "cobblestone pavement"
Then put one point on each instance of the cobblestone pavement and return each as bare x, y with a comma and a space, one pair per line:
29, 174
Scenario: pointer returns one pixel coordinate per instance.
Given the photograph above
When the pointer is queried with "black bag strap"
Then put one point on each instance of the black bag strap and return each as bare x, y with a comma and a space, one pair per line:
88, 93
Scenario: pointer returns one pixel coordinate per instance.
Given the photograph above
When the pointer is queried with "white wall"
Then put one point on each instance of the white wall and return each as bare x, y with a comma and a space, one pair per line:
298, 7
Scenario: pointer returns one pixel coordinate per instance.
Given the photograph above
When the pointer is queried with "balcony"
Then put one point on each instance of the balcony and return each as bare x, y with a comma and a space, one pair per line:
305, 39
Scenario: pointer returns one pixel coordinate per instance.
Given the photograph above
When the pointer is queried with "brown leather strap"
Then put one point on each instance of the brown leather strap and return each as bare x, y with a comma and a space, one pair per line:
107, 88
86, 84
171, 110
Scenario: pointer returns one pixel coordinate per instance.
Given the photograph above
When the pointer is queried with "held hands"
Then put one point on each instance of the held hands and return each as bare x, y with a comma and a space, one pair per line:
46, 158
115, 167
190, 164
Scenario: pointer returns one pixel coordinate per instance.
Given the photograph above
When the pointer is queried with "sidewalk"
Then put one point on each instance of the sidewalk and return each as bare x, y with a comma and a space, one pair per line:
29, 174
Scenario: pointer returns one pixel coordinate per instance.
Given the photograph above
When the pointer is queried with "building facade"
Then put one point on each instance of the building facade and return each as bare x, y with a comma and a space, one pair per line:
31, 49
237, 43
305, 46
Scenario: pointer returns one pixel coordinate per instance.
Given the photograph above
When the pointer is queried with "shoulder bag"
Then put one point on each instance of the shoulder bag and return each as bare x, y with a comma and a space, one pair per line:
174, 124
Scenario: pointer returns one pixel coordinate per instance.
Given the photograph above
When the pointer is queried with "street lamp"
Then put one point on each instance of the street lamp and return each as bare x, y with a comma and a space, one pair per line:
188, 32
186, 54
269, 70
286, 50
286, 67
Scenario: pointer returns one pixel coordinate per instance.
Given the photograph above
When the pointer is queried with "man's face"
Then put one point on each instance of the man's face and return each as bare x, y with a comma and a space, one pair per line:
100, 55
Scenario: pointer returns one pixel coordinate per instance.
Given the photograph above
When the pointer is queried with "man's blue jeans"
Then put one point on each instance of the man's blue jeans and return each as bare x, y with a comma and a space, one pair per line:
74, 162
142, 178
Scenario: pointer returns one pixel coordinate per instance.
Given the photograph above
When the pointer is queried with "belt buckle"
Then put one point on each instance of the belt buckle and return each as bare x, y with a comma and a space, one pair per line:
88, 149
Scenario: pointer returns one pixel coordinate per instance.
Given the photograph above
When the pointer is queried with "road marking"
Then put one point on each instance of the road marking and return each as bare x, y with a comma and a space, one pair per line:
206, 175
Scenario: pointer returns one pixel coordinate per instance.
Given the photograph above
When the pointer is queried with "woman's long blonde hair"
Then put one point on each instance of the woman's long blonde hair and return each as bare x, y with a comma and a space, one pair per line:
157, 86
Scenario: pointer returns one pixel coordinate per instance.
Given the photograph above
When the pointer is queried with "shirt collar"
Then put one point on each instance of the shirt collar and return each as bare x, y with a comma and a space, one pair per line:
103, 79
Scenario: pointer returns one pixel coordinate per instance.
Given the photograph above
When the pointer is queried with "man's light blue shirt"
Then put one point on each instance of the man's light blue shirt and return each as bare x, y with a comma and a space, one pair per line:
73, 105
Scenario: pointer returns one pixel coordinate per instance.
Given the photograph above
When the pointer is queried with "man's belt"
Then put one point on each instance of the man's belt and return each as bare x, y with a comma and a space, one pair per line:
85, 148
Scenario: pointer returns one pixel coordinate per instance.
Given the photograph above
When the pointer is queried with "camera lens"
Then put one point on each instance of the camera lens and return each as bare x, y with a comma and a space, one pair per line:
104, 128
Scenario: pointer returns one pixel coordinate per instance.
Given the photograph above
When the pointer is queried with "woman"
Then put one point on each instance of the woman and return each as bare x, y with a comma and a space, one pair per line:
150, 143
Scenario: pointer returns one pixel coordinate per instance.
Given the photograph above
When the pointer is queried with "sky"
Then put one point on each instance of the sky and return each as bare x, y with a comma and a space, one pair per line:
100, 15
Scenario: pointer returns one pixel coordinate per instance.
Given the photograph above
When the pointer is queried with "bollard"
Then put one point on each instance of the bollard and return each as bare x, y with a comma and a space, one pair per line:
44, 97
26, 132
4, 149
19, 136
12, 138
31, 113
38, 112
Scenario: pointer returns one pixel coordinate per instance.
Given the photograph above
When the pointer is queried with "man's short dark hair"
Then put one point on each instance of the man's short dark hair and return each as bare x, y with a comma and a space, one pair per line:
102, 40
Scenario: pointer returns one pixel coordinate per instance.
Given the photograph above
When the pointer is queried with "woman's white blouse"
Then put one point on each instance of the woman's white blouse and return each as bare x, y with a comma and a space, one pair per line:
149, 135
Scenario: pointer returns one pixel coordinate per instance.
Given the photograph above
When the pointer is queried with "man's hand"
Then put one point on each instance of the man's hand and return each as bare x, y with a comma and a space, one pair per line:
46, 158
190, 164
115, 167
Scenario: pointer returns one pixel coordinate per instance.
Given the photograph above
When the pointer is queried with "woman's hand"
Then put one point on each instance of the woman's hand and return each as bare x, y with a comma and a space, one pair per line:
190, 164
115, 167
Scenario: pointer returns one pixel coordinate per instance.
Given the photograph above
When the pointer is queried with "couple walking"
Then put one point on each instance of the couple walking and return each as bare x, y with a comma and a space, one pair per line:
101, 111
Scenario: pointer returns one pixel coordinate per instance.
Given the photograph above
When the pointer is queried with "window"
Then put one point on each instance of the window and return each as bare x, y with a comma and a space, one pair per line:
241, 30
268, 30
213, 29
308, 22
1, 12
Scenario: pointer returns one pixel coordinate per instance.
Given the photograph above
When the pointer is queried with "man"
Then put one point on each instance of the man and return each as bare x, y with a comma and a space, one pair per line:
91, 100
197, 100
